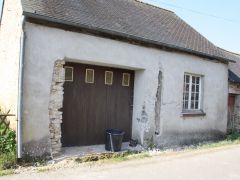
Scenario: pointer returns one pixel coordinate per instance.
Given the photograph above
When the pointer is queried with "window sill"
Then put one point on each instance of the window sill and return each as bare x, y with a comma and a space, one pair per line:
193, 113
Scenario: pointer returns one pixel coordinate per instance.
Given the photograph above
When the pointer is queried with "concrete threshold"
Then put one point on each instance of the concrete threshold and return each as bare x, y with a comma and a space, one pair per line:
81, 151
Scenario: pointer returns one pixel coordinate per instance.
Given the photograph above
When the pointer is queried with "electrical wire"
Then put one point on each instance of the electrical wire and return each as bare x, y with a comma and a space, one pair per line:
157, 2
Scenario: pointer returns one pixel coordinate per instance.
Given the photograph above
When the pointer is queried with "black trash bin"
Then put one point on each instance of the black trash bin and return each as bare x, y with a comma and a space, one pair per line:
114, 139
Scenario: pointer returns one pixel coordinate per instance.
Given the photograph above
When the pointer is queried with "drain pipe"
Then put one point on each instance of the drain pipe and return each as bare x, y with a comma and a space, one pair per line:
20, 82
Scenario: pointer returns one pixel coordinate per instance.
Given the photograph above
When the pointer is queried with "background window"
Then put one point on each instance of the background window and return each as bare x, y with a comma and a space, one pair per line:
108, 77
89, 77
68, 73
192, 92
126, 79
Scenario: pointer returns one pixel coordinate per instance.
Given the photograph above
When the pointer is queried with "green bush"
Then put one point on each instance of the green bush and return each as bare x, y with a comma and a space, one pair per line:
8, 142
234, 136
7, 149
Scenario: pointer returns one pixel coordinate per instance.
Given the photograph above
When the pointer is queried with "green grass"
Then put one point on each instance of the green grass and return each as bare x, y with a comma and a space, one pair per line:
122, 156
44, 169
232, 139
130, 157
6, 172
7, 163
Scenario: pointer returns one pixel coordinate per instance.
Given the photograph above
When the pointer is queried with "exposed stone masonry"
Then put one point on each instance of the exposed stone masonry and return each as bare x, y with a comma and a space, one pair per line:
55, 106
158, 104
234, 123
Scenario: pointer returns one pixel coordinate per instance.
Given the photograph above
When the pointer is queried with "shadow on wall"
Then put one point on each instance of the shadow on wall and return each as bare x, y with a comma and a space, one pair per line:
175, 139
37, 148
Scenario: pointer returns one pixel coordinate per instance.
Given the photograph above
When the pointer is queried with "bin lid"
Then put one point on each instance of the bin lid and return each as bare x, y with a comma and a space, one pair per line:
115, 131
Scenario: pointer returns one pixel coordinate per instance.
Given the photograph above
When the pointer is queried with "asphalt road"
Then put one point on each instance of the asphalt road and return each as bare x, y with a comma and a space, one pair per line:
217, 164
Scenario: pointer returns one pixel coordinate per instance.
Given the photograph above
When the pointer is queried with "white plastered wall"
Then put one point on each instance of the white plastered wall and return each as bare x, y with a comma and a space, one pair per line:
45, 45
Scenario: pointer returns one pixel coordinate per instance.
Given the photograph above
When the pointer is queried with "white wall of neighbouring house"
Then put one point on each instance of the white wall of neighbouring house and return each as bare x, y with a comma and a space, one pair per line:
45, 45
10, 33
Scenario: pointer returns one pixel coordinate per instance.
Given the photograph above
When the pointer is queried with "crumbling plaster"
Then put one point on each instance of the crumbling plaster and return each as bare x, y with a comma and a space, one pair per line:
45, 45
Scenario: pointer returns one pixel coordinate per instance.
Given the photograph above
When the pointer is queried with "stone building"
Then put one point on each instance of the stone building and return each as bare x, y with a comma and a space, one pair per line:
234, 96
72, 69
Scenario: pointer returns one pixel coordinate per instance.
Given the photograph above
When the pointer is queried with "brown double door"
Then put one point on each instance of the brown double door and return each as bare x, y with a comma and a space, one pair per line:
95, 99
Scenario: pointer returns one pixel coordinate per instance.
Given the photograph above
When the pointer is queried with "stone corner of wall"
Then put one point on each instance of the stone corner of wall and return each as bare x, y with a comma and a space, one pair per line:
55, 107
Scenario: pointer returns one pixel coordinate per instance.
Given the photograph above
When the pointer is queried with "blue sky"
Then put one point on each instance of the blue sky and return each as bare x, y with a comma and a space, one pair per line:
223, 30
1, 6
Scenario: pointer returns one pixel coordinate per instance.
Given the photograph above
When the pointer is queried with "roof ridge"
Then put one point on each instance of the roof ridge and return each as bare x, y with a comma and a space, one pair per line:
229, 51
148, 4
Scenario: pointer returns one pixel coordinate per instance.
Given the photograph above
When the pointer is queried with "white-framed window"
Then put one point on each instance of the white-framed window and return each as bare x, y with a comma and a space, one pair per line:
68, 73
126, 79
89, 76
192, 92
1, 9
108, 77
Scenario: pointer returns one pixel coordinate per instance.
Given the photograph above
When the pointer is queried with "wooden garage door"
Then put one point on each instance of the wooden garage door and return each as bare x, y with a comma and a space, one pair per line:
95, 99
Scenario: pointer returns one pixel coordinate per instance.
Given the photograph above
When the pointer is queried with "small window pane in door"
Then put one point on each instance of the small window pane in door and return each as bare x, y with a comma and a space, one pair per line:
108, 77
68, 73
126, 79
89, 77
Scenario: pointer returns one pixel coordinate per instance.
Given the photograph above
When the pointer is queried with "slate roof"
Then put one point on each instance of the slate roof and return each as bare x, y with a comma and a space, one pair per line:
127, 18
234, 71
232, 77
